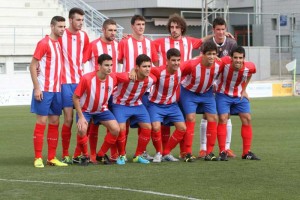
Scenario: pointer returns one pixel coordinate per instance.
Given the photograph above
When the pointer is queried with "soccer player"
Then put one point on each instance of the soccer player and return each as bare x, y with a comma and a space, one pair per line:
197, 90
231, 98
127, 104
90, 101
46, 97
131, 47
74, 43
225, 45
108, 45
163, 106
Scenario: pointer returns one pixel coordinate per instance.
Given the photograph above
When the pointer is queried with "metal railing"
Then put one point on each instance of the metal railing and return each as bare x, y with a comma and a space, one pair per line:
93, 18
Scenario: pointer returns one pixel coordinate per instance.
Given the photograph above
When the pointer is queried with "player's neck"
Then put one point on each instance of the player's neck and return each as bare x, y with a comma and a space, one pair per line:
206, 64
137, 37
72, 30
53, 36
170, 70
103, 39
140, 77
219, 40
101, 76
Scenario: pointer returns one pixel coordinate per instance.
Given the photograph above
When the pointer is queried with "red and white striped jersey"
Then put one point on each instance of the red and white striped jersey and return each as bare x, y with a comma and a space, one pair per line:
98, 47
94, 93
48, 53
231, 82
185, 45
73, 47
167, 88
129, 49
130, 92
198, 78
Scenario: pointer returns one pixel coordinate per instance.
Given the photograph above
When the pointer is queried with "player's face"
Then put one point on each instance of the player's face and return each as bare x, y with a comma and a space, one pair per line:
209, 58
219, 32
175, 30
237, 60
58, 29
106, 67
138, 27
173, 63
144, 69
76, 22
110, 32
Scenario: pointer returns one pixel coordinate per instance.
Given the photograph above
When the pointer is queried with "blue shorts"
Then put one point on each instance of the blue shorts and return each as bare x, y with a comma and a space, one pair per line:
136, 114
192, 102
50, 105
232, 105
98, 117
67, 91
167, 114
145, 99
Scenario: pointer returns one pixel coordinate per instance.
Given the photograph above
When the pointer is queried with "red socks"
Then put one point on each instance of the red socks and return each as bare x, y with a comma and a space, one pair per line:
211, 135
246, 133
52, 140
221, 134
156, 140
65, 139
143, 140
121, 142
109, 140
188, 137
38, 139
93, 138
173, 141
165, 135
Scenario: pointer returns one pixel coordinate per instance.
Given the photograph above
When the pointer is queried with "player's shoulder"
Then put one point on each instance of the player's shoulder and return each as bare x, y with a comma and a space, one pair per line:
226, 59
249, 64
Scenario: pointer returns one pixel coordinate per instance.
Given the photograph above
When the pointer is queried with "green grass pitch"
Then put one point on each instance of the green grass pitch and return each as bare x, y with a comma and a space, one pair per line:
276, 128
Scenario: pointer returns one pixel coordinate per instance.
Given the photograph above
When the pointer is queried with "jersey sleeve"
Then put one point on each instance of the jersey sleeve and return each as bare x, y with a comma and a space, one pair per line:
40, 50
82, 85
86, 46
196, 42
121, 50
154, 55
156, 71
122, 77
87, 54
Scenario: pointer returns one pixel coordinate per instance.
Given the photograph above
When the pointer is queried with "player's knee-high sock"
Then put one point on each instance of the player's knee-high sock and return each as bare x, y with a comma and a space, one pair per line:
114, 151
109, 140
65, 139
246, 133
156, 140
77, 149
93, 138
203, 126
52, 140
165, 135
211, 135
126, 135
176, 137
221, 134
121, 140
143, 140
189, 136
38, 139
228, 134
83, 144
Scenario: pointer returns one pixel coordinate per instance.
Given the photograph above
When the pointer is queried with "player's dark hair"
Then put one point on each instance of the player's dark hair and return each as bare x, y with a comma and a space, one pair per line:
56, 19
142, 58
180, 21
209, 45
108, 22
238, 49
137, 17
173, 52
103, 57
219, 21
74, 11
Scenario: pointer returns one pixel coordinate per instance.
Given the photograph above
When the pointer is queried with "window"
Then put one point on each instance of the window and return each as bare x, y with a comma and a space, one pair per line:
292, 23
284, 43
2, 68
21, 67
241, 35
274, 23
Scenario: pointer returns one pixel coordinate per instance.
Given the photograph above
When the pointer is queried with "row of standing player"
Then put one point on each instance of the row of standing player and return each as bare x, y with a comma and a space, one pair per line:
77, 50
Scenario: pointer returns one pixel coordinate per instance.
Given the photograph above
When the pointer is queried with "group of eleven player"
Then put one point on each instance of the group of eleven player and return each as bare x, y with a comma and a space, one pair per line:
138, 83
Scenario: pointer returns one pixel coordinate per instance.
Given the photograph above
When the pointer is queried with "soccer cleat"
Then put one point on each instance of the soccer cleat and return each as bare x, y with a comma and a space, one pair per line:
223, 156
84, 161
147, 156
113, 159
38, 163
210, 157
202, 154
230, 153
121, 160
189, 158
250, 156
182, 155
76, 160
170, 158
103, 159
56, 162
140, 159
157, 158
67, 160
92, 160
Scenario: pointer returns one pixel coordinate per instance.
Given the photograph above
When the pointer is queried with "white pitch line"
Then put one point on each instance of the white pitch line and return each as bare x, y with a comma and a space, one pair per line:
102, 187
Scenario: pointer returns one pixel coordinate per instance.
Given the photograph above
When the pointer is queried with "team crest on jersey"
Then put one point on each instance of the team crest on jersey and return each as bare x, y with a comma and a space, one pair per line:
225, 52
109, 89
